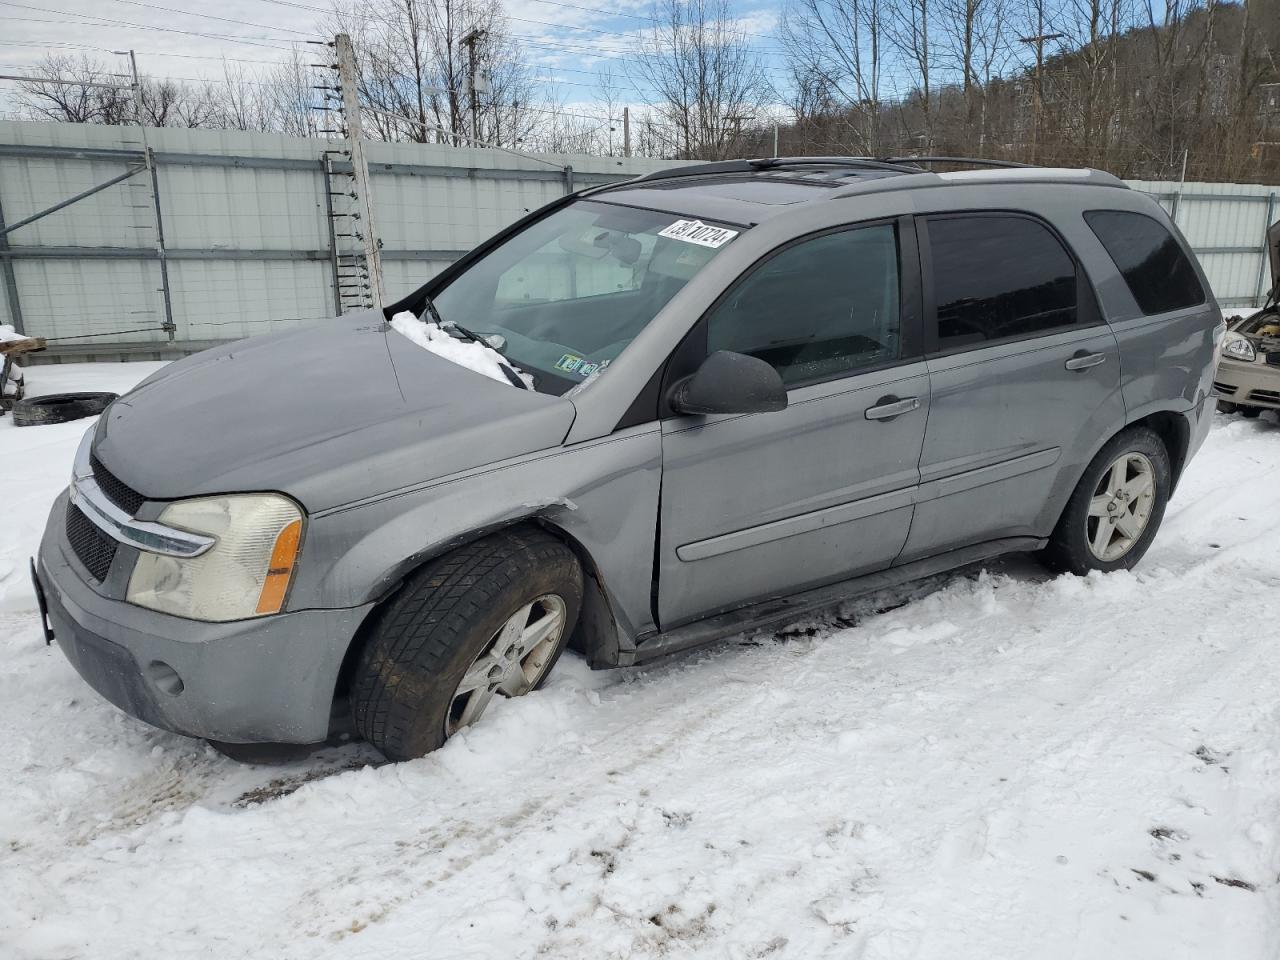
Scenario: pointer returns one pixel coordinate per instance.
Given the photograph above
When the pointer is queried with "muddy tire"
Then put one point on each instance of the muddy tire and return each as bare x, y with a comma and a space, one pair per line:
489, 619
1116, 508
59, 408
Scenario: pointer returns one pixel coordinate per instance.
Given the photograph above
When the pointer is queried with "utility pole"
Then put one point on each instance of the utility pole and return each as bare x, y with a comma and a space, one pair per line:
1039, 40
626, 131
469, 40
153, 175
137, 88
359, 166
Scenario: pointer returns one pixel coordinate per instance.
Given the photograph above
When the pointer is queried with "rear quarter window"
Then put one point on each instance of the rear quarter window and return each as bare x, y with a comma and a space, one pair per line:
1150, 259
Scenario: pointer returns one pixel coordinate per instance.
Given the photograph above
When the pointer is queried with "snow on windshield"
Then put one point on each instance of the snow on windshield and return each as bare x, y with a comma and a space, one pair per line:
465, 353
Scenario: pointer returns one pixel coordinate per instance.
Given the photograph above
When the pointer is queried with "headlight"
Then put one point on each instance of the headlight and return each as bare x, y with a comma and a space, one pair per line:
245, 574
1239, 348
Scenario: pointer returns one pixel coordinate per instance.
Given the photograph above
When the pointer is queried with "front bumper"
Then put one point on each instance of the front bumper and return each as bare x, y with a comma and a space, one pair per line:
267, 680
1253, 383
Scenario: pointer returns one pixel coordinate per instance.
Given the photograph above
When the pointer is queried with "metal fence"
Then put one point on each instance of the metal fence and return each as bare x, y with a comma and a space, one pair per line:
196, 236
185, 238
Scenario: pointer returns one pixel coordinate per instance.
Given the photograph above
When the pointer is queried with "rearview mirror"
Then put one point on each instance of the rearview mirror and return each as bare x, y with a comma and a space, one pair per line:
730, 382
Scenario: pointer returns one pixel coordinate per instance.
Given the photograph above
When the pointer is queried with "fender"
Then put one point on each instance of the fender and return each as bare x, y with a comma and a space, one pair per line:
601, 496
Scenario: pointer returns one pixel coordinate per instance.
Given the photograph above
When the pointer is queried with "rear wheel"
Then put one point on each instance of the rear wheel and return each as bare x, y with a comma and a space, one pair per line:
1116, 508
487, 621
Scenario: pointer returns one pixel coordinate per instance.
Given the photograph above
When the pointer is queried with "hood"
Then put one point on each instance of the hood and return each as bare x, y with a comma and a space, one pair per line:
329, 413
1273, 249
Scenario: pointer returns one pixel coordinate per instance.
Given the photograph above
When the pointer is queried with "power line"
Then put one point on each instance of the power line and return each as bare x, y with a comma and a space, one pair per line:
211, 16
40, 44
142, 26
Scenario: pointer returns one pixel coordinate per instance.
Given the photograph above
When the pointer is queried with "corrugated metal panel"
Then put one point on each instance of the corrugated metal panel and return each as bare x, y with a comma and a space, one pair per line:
72, 298
216, 217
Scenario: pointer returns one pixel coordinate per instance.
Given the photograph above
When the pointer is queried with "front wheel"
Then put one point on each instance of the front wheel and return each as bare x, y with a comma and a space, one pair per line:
488, 620
1116, 508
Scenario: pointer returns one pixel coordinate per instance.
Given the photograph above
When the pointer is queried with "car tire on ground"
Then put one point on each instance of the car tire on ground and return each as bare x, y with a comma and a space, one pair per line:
488, 619
1116, 508
1226, 406
59, 408
1249, 412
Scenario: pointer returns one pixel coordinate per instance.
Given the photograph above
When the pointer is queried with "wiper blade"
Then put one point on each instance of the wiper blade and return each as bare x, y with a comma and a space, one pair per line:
435, 314
508, 369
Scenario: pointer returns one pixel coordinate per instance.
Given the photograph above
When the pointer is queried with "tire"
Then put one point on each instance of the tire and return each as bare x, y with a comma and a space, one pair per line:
1226, 406
59, 408
456, 619
1073, 546
1249, 413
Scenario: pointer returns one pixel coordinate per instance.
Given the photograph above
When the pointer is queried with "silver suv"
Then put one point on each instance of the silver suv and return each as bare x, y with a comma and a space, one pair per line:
645, 417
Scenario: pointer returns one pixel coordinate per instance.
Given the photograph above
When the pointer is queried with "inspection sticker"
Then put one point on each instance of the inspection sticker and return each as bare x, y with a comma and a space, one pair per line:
695, 231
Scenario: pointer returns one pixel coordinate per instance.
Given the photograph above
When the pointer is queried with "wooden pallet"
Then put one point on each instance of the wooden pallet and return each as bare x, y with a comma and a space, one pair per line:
9, 351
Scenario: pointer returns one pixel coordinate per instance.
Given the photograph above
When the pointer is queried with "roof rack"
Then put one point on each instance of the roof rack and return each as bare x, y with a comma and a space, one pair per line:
971, 161
770, 163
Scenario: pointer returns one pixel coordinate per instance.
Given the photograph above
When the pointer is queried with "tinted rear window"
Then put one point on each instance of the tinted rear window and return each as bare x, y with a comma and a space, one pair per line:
1158, 273
996, 277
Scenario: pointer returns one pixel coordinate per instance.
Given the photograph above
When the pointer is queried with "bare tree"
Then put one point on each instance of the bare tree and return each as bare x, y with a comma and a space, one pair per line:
78, 97
973, 44
836, 51
708, 80
909, 31
417, 75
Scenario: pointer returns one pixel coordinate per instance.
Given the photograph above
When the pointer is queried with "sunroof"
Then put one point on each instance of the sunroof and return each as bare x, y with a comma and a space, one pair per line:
775, 187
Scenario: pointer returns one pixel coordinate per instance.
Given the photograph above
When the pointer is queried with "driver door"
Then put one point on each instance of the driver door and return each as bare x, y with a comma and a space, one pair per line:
768, 504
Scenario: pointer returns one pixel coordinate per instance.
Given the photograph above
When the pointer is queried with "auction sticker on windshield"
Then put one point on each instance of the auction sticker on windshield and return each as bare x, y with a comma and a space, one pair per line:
695, 231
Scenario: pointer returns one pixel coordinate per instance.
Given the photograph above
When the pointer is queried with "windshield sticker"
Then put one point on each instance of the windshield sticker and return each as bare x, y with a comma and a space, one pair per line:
579, 366
569, 363
695, 231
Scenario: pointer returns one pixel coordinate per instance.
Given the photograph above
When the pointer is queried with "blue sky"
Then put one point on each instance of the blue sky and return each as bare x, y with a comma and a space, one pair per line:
568, 41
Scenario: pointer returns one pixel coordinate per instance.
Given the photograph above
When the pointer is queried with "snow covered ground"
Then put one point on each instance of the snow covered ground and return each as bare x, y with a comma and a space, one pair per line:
989, 765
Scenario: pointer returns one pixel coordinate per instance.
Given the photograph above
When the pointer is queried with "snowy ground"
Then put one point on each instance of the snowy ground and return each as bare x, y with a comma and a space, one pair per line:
990, 765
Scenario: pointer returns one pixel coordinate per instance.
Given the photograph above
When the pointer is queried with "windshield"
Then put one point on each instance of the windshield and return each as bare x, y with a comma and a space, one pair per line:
561, 299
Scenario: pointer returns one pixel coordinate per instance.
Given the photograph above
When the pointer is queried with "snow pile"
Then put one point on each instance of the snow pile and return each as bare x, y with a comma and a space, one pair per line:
986, 765
8, 334
465, 353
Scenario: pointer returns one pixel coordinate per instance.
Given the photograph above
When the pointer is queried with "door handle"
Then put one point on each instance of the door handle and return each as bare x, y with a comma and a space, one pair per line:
1081, 360
886, 408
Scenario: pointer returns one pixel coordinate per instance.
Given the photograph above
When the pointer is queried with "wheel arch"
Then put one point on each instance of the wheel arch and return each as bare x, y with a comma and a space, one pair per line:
1175, 433
596, 635
1170, 426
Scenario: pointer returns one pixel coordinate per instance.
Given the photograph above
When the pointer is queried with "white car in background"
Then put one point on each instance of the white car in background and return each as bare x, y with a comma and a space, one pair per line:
1247, 380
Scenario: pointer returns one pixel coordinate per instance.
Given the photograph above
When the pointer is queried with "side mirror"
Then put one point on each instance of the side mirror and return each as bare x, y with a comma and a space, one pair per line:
730, 383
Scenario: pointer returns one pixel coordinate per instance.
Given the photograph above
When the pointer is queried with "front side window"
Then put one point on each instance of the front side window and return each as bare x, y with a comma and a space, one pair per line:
1157, 272
998, 277
563, 298
818, 309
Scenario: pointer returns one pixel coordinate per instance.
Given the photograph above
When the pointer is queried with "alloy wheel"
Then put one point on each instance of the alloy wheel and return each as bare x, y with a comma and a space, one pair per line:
1120, 507
511, 663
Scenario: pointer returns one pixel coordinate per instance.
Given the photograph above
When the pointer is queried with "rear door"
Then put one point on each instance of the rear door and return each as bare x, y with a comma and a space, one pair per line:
768, 504
1024, 374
